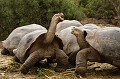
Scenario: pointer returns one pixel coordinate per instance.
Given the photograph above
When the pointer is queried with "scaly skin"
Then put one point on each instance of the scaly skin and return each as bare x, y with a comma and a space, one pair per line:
86, 52
62, 60
83, 56
49, 36
51, 53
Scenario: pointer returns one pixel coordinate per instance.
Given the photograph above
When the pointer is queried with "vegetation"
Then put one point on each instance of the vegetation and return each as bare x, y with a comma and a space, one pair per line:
15, 13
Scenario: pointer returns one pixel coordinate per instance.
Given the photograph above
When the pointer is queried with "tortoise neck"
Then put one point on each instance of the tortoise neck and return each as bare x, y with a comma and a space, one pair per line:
82, 42
50, 33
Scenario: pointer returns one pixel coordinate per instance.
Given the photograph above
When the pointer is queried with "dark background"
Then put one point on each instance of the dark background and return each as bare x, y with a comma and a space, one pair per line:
15, 13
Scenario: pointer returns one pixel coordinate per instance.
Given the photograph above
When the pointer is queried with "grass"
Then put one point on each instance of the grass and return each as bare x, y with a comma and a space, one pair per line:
10, 70
51, 74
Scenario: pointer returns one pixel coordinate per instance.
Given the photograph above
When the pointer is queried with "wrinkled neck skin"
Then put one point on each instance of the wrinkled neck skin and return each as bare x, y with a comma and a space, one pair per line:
82, 42
50, 33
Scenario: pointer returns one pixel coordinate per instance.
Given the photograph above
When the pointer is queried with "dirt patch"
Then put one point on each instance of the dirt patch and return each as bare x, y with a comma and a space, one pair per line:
104, 22
10, 70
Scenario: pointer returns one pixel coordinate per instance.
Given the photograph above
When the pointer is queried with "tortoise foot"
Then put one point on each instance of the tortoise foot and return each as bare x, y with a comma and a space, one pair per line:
58, 69
80, 70
24, 70
15, 59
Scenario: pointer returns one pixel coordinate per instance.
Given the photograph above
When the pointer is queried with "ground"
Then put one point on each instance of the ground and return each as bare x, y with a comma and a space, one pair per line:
10, 70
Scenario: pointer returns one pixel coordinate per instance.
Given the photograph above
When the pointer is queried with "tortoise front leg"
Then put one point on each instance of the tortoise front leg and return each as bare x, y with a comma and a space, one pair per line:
16, 59
83, 56
72, 58
30, 62
62, 60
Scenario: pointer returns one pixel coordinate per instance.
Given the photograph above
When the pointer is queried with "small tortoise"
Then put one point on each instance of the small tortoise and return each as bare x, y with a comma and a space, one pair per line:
14, 38
101, 45
39, 45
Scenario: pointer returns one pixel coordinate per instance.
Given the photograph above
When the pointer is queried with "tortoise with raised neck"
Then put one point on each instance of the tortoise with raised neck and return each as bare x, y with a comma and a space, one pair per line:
102, 45
39, 45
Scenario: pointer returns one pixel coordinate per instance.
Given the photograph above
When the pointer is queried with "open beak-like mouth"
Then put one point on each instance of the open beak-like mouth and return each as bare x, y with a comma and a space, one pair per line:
62, 18
61, 15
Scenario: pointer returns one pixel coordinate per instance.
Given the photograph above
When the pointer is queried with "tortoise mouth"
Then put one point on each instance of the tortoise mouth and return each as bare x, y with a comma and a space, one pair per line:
61, 18
61, 15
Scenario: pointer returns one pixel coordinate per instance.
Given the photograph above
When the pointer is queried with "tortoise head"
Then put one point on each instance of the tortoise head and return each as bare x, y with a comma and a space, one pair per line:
58, 17
77, 32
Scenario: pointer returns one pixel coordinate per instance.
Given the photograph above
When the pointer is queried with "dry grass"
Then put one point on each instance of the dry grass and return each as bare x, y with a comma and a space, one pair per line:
10, 70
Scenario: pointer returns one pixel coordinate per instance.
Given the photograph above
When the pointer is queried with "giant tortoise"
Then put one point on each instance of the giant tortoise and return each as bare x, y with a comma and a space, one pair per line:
14, 38
41, 44
101, 45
